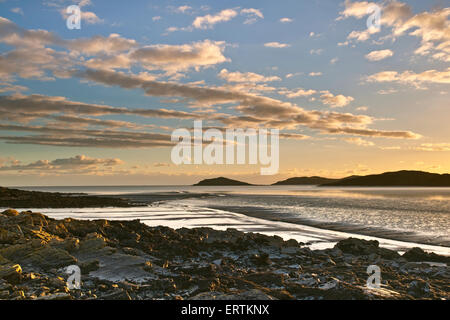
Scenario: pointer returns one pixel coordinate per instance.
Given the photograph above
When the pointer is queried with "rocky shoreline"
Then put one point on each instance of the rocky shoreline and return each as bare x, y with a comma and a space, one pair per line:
36, 199
129, 260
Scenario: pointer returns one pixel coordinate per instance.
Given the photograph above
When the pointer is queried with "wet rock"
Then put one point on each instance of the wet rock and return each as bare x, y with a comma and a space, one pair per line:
92, 243
129, 260
333, 284
56, 296
117, 294
419, 288
37, 254
89, 266
11, 273
10, 213
266, 279
418, 255
261, 259
246, 295
8, 237
361, 247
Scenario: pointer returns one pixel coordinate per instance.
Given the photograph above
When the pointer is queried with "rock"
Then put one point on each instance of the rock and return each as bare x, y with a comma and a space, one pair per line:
217, 262
130, 251
418, 255
93, 242
261, 259
419, 288
357, 246
8, 237
246, 295
117, 294
10, 213
18, 295
36, 254
56, 296
129, 260
11, 273
289, 250
361, 247
333, 284
266, 279
89, 266
148, 266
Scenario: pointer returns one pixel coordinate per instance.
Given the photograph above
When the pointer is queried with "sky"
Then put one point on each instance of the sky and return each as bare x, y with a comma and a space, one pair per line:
350, 93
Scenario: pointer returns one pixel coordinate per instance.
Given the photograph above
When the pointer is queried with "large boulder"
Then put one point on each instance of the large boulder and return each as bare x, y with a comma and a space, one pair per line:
37, 254
418, 255
361, 247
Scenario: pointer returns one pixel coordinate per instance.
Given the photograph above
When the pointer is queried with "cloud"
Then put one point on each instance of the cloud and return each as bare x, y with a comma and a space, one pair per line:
176, 58
39, 105
316, 51
334, 60
297, 93
362, 35
262, 110
69, 137
335, 101
379, 55
315, 74
99, 52
252, 14
183, 9
286, 20
359, 142
80, 162
432, 28
412, 78
355, 9
387, 91
17, 10
436, 147
377, 133
276, 45
247, 77
162, 164
290, 75
208, 21
112, 44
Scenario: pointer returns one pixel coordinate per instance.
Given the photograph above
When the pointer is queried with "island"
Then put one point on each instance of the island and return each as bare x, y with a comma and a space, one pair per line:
221, 181
402, 178
304, 181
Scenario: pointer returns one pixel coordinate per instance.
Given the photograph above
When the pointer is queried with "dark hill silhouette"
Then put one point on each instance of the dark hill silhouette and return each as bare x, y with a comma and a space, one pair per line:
396, 179
304, 181
14, 198
221, 181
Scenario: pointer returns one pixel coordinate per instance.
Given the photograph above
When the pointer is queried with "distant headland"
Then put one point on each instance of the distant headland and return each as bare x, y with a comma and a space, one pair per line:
402, 178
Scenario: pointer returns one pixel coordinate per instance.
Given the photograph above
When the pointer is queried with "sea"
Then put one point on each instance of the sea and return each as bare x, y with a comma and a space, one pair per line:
399, 218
